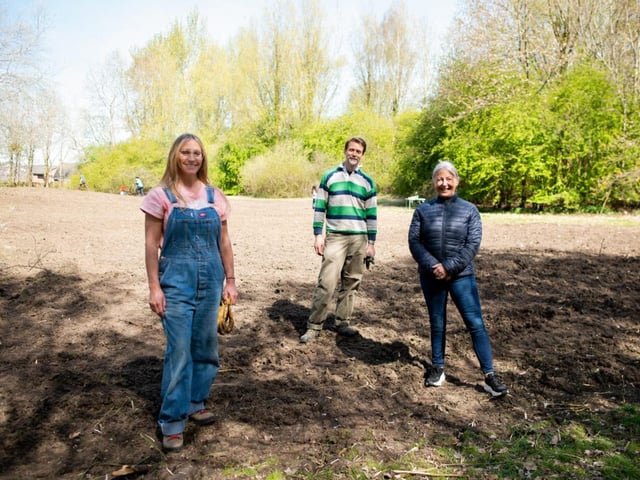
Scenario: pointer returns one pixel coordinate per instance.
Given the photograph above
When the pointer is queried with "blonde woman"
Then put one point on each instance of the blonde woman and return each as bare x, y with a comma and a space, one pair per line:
189, 262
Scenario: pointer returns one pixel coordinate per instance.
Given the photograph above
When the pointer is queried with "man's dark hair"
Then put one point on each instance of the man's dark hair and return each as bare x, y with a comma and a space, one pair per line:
359, 140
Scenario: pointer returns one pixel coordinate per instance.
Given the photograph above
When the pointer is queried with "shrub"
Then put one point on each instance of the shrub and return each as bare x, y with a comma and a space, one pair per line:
283, 172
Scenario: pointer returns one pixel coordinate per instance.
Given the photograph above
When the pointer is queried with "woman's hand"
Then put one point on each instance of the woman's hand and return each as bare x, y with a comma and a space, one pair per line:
153, 238
157, 301
440, 272
229, 291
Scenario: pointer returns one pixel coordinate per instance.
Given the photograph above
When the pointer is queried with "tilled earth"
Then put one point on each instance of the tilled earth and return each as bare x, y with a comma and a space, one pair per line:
82, 353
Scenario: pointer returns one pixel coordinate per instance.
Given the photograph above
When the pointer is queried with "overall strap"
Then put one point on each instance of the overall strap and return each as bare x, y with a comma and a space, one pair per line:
172, 198
210, 195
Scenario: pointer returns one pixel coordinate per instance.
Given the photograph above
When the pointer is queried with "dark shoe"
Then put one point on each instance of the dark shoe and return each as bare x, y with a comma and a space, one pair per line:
494, 385
172, 443
346, 331
436, 377
311, 335
203, 417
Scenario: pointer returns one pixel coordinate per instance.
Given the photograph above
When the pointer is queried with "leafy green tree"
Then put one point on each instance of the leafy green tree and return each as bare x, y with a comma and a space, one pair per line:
621, 189
285, 73
379, 132
585, 118
325, 140
159, 77
228, 159
612, 38
522, 130
498, 151
210, 93
109, 167
420, 147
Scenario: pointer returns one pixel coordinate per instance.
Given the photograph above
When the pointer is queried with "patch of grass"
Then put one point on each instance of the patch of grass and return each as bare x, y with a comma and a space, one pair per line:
276, 476
356, 463
586, 447
266, 469
580, 446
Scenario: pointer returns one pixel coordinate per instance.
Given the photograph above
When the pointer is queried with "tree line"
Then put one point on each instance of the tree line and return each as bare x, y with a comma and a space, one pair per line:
535, 101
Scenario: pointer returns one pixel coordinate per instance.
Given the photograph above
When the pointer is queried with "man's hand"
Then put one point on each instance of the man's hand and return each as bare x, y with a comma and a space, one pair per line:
318, 245
369, 255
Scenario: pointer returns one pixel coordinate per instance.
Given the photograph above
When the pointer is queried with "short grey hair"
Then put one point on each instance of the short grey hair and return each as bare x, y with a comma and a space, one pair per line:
447, 166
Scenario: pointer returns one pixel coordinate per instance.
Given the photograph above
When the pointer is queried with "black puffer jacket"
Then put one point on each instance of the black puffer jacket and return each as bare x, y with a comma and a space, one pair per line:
447, 231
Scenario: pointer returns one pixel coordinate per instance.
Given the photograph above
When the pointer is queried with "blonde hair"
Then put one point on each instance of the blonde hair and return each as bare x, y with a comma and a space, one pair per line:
171, 172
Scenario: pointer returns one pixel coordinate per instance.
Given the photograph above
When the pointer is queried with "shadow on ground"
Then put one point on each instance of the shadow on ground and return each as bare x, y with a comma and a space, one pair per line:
80, 386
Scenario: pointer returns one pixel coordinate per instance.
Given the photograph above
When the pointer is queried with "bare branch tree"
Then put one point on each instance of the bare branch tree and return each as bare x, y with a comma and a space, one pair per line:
387, 61
20, 47
105, 118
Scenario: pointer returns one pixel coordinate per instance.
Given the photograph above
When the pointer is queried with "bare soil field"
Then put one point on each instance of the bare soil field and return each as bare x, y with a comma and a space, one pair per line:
81, 353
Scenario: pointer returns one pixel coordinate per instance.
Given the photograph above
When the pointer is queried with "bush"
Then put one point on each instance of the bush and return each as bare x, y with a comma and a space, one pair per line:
109, 167
283, 172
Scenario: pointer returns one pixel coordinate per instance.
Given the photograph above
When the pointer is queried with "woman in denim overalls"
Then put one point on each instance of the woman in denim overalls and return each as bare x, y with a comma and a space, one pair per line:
187, 218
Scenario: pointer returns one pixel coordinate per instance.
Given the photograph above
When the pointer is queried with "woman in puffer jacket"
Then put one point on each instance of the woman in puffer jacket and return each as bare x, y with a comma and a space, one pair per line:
444, 238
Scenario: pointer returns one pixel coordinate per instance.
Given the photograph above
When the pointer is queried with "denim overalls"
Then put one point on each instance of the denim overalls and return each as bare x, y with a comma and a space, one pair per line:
191, 277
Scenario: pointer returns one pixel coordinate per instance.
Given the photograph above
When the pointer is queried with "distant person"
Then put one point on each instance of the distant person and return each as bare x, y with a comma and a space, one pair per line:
124, 190
347, 202
314, 196
444, 238
83, 183
186, 220
139, 187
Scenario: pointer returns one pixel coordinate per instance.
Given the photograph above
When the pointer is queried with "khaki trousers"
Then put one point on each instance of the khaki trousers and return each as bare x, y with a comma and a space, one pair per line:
342, 262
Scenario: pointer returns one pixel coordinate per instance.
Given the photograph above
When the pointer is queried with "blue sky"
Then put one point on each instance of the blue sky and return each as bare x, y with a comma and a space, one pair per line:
82, 34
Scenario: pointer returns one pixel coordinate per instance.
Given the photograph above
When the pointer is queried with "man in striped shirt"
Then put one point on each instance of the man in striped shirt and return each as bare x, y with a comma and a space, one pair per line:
347, 204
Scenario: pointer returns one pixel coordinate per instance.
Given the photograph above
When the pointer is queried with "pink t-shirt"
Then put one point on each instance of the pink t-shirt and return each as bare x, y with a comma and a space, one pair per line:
157, 204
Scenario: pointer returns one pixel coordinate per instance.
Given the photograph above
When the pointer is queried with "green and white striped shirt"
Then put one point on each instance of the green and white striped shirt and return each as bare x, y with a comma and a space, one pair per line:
347, 202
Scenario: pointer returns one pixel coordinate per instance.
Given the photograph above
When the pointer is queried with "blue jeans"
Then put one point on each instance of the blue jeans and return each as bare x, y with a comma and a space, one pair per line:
464, 293
191, 277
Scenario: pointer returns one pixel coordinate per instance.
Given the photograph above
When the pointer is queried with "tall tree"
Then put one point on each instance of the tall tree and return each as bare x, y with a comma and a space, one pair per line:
315, 80
159, 76
107, 119
387, 61
211, 91
611, 35
20, 48
268, 65
52, 130
286, 62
